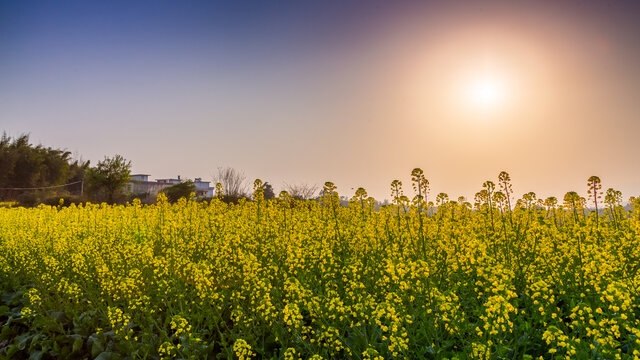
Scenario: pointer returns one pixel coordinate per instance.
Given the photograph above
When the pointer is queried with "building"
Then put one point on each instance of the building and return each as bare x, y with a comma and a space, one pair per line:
203, 189
169, 182
140, 186
139, 177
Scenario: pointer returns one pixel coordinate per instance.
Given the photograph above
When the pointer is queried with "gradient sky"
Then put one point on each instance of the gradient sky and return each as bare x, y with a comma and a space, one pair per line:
355, 92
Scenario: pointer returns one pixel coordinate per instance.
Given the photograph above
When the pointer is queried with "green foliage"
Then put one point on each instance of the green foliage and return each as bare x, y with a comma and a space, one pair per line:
23, 165
181, 190
105, 181
62, 201
268, 191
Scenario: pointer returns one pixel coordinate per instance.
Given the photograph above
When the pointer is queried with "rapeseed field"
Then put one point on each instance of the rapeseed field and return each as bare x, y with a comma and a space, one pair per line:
499, 278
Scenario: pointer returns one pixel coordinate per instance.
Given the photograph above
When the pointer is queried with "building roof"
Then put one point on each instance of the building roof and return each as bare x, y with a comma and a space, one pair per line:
147, 182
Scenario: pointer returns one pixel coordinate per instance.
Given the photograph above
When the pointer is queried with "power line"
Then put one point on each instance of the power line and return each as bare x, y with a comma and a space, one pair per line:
43, 187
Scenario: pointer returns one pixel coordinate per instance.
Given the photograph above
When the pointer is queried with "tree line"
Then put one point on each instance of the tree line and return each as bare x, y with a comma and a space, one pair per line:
33, 174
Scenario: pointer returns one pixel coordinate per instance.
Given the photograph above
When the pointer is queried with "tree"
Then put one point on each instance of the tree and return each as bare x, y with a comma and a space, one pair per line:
232, 182
301, 191
268, 191
106, 180
180, 190
34, 172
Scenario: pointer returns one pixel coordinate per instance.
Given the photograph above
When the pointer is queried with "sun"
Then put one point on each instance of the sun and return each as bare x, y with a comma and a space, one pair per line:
486, 91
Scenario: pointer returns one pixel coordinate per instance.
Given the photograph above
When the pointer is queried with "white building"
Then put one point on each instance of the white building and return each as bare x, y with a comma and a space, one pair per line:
169, 182
140, 186
203, 189
139, 177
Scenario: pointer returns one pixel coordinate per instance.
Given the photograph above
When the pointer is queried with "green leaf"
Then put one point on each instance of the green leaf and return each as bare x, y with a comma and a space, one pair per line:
13, 298
23, 340
108, 355
77, 345
3, 310
4, 333
96, 347
60, 317
11, 351
522, 339
36, 355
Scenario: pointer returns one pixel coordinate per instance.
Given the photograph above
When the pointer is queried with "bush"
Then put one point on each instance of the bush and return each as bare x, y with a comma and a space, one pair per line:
181, 190
29, 199
66, 200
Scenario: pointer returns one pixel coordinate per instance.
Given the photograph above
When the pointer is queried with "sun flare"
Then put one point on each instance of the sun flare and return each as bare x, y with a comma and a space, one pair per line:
487, 91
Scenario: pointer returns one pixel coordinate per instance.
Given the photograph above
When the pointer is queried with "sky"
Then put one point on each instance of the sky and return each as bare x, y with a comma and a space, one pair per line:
354, 92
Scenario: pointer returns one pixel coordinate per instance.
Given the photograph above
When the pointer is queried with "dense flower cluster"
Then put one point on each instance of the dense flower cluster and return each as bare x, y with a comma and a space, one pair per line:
294, 279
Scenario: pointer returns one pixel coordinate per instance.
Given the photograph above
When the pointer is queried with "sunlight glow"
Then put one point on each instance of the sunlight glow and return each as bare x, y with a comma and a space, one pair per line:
487, 91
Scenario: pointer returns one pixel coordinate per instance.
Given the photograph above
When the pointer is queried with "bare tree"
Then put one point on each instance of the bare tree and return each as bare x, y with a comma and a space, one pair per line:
232, 181
301, 191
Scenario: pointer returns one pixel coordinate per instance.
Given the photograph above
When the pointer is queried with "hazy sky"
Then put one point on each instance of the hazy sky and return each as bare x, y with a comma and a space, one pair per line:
355, 92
